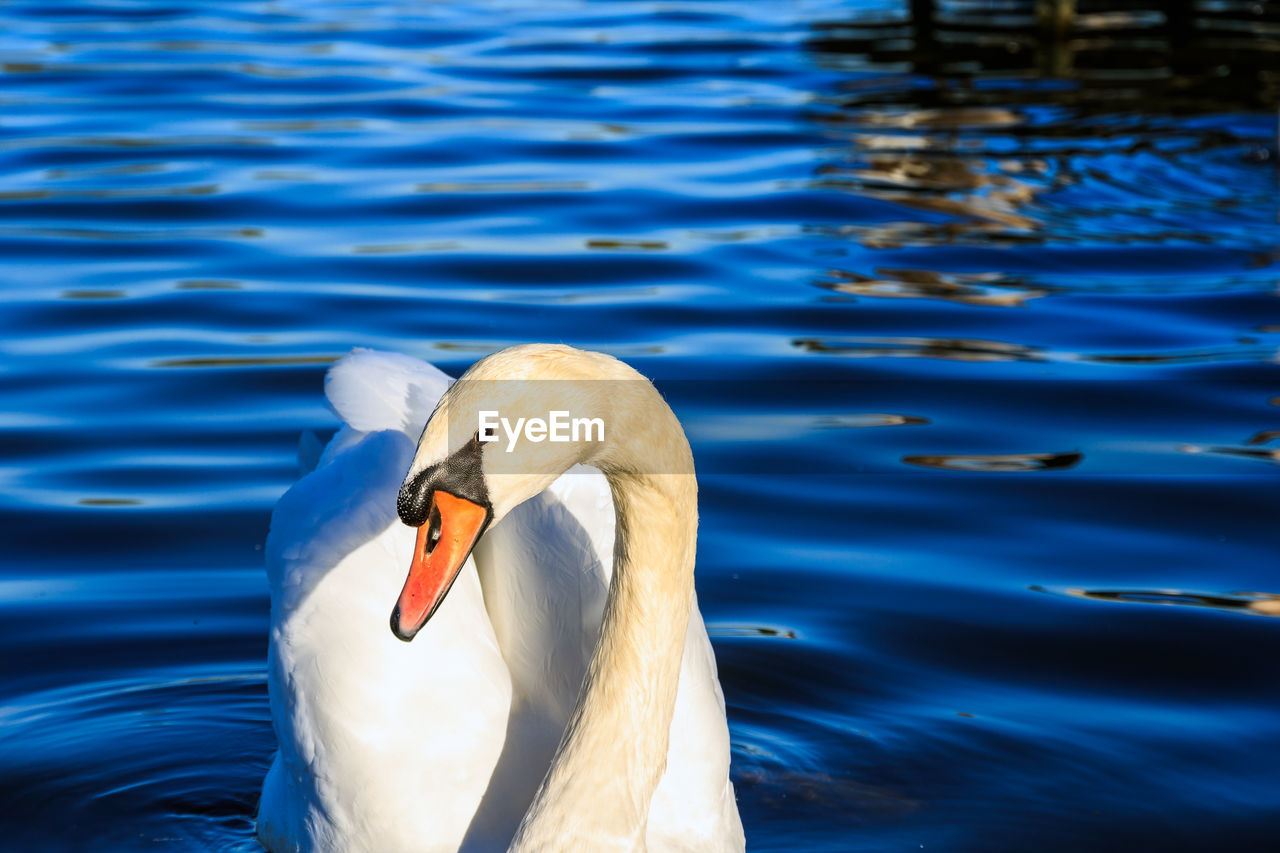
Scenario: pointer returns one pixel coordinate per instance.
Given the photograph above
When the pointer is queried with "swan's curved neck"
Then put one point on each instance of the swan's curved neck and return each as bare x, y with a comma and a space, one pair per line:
596, 794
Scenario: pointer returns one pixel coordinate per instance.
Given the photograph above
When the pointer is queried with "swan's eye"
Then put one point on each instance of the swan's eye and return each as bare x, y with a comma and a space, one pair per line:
433, 531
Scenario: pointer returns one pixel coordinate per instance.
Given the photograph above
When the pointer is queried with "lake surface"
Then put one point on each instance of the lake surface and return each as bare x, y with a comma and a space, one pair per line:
977, 353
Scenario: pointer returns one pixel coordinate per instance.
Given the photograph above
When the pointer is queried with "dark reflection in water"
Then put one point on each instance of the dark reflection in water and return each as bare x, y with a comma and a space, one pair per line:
1255, 453
248, 361
1261, 603
985, 289
998, 461
93, 294
732, 630
1000, 137
198, 284
955, 315
956, 349
868, 420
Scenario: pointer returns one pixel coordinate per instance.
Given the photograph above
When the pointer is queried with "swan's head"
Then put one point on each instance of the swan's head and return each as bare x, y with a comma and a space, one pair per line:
501, 434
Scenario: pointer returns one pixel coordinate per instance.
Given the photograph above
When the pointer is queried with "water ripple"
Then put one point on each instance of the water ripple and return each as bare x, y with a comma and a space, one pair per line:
871, 265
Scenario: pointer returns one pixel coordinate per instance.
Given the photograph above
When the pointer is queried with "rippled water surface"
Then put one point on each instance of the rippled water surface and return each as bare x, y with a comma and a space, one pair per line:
975, 340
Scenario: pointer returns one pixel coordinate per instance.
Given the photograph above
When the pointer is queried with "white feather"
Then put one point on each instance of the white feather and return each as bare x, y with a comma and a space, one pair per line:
372, 390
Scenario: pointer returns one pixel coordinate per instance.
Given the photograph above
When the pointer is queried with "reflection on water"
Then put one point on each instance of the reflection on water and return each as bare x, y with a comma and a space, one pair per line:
513, 187
997, 461
208, 284
954, 315
983, 204
93, 294
1264, 437
867, 420
1006, 154
727, 629
955, 349
652, 245
1261, 603
985, 289
1256, 453
248, 361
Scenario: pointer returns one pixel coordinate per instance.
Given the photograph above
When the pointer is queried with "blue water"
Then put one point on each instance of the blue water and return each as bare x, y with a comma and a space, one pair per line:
978, 361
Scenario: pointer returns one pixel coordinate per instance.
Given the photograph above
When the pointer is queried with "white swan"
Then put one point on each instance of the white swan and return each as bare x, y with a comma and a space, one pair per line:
483, 733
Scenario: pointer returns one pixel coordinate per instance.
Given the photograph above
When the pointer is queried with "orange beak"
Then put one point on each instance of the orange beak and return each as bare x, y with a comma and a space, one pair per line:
437, 560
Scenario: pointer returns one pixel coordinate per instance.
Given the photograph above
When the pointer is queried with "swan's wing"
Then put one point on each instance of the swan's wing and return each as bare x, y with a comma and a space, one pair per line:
694, 807
545, 569
333, 510
348, 496
372, 390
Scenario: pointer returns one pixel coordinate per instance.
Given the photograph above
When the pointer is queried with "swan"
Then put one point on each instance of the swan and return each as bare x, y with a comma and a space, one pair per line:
546, 682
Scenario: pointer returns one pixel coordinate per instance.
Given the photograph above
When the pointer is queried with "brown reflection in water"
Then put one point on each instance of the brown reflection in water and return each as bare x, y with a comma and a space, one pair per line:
730, 236
296, 72
947, 180
603, 132
932, 159
208, 284
647, 245
93, 294
736, 629
139, 142
952, 118
1257, 453
113, 192
1202, 57
1265, 436
866, 420
406, 248
106, 171
618, 295
464, 346
1260, 603
953, 349
302, 125
987, 107
997, 462
101, 234
896, 235
222, 45
968, 289
511, 187
247, 361
1198, 356
283, 175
